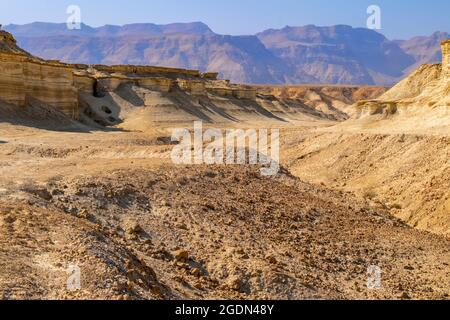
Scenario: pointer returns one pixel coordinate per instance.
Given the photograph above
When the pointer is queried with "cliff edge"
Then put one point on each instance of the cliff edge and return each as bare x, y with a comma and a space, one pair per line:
422, 100
135, 97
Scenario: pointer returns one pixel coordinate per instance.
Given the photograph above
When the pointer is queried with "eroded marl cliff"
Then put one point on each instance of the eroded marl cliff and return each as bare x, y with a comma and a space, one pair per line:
309, 54
105, 95
446, 57
425, 94
24, 78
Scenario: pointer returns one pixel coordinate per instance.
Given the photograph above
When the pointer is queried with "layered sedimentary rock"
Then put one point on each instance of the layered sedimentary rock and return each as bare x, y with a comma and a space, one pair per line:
12, 84
106, 95
195, 87
24, 78
424, 95
446, 57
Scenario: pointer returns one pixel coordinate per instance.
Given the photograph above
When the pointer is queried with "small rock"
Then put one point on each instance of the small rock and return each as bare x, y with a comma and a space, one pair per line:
196, 272
131, 226
181, 255
405, 296
234, 283
271, 259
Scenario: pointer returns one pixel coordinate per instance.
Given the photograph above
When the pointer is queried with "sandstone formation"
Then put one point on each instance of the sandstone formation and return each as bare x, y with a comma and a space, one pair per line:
110, 202
393, 152
423, 96
106, 95
309, 54
24, 78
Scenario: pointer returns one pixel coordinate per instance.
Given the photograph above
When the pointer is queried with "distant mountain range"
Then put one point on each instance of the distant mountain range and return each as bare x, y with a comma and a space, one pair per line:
309, 54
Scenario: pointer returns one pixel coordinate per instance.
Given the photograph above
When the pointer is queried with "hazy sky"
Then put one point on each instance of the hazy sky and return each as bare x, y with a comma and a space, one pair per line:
400, 18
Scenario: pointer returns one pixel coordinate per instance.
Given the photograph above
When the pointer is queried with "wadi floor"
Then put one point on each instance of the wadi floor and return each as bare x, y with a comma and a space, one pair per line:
139, 227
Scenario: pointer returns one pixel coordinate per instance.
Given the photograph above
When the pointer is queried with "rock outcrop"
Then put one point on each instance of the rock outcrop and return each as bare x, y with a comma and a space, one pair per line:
446, 57
310, 54
111, 95
24, 78
425, 94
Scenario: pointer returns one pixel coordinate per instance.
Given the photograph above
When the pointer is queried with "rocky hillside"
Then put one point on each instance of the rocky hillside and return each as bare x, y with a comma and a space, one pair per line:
424, 49
310, 54
136, 97
338, 54
420, 101
395, 152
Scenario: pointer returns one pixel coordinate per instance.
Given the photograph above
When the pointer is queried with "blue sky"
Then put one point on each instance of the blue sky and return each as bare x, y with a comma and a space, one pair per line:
400, 18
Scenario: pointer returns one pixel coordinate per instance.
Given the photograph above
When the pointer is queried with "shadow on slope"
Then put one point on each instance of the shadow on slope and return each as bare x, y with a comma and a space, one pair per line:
41, 116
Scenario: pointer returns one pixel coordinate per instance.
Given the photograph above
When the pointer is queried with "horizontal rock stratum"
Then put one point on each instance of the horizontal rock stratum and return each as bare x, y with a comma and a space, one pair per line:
424, 96
309, 54
103, 95
24, 77
446, 57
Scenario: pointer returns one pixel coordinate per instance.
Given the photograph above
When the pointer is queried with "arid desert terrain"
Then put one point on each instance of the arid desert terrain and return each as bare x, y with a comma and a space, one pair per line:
86, 179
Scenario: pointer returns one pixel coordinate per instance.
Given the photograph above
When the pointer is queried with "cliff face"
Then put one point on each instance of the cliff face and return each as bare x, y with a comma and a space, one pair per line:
421, 100
24, 78
309, 54
76, 88
109, 95
446, 57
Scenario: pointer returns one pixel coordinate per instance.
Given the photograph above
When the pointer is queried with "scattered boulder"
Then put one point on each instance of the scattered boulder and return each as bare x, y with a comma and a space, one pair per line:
271, 260
131, 227
42, 193
234, 283
181, 255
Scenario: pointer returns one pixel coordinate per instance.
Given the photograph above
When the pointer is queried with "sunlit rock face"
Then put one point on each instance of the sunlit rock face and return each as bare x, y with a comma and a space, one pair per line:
24, 78
446, 57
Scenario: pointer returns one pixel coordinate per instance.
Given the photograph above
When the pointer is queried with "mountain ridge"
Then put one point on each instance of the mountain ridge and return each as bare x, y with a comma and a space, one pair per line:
337, 54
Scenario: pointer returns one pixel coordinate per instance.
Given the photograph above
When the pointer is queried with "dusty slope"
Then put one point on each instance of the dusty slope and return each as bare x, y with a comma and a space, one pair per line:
138, 108
395, 151
408, 174
419, 103
110, 203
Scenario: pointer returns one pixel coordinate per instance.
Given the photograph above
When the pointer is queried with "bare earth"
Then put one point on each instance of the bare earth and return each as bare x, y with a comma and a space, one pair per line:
364, 186
142, 228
